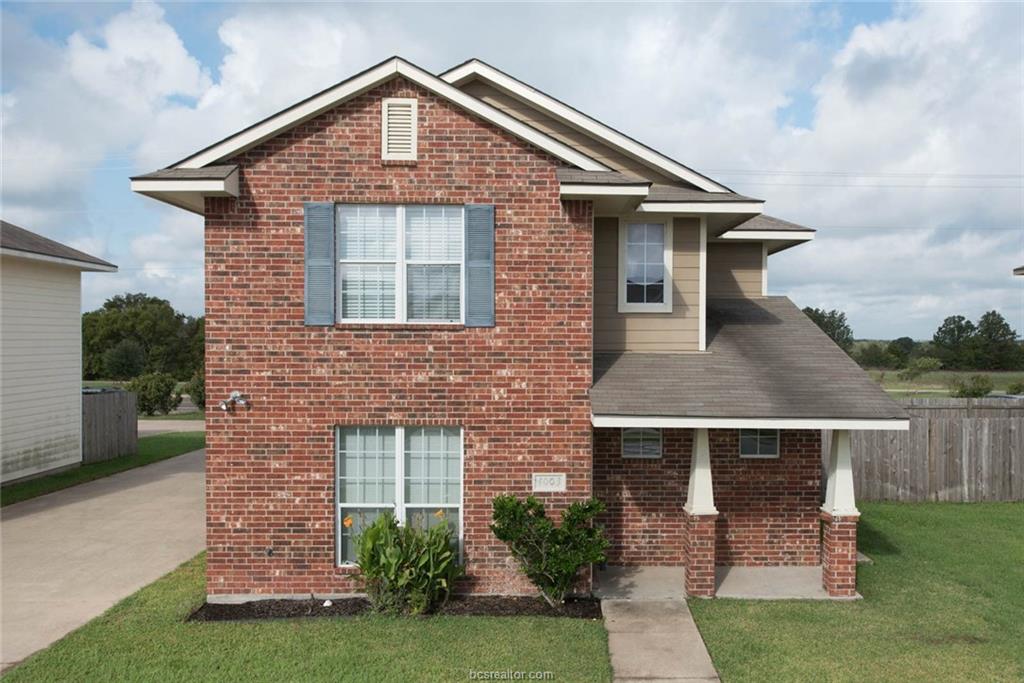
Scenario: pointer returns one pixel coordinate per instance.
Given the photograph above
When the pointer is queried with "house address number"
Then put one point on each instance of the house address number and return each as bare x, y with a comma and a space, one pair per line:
548, 483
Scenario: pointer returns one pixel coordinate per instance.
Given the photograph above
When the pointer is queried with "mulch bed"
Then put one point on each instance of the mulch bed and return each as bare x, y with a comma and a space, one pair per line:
459, 605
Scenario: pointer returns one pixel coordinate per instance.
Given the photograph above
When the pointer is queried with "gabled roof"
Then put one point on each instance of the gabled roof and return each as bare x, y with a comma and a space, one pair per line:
477, 69
766, 365
22, 243
361, 82
1018, 271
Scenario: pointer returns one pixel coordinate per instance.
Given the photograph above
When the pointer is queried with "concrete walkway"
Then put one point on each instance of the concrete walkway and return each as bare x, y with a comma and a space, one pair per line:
651, 633
70, 555
150, 427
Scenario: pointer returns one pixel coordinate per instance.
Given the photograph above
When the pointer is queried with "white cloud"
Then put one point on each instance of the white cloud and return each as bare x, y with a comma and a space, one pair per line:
929, 97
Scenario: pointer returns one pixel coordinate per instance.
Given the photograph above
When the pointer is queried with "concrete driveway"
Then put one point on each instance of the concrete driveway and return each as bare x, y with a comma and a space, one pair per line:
150, 427
69, 556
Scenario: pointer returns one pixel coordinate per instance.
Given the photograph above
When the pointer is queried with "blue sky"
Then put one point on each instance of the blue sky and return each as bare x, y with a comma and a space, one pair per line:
893, 129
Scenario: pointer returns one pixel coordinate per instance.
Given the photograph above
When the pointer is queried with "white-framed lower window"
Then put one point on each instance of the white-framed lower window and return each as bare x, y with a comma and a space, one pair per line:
416, 472
400, 263
645, 265
641, 443
759, 443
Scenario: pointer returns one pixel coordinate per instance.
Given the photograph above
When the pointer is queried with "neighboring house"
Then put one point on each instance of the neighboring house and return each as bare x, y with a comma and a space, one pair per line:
40, 352
432, 290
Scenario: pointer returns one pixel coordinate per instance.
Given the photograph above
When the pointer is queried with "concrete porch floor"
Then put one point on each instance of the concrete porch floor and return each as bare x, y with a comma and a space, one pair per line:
751, 583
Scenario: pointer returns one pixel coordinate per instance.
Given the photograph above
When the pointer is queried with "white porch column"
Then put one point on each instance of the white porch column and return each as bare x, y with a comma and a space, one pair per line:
700, 499
839, 500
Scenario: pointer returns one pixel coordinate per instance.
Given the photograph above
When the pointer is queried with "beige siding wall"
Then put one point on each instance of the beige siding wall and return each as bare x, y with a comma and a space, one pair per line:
653, 332
40, 367
734, 270
560, 131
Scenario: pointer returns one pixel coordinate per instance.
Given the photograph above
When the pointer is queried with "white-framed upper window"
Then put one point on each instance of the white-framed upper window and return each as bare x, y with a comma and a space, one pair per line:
398, 128
759, 443
416, 472
400, 263
645, 265
641, 443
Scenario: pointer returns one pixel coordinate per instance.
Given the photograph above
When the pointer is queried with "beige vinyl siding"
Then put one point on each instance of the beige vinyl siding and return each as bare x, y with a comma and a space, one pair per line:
735, 270
653, 332
40, 367
562, 132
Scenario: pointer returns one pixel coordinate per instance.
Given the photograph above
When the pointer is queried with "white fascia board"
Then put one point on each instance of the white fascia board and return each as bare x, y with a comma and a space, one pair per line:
584, 190
761, 235
213, 188
568, 115
752, 208
329, 98
57, 260
656, 422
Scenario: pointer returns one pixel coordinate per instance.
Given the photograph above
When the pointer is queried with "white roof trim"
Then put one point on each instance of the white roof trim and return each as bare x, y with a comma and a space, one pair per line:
752, 208
58, 260
656, 422
760, 235
187, 194
584, 190
395, 66
567, 114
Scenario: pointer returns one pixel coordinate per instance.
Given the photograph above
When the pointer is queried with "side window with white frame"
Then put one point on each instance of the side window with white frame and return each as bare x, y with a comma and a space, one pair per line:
641, 443
398, 129
416, 472
645, 266
759, 443
400, 263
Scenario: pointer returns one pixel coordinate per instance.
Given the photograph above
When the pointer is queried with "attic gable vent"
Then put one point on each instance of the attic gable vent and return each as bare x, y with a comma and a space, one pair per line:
398, 128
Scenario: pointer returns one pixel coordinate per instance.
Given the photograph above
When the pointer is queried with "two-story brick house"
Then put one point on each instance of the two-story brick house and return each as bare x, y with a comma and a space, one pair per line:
430, 290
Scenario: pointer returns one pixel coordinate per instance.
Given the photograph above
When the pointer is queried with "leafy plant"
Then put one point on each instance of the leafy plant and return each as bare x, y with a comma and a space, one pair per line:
1016, 388
833, 323
124, 360
155, 393
407, 569
196, 389
918, 367
975, 386
550, 556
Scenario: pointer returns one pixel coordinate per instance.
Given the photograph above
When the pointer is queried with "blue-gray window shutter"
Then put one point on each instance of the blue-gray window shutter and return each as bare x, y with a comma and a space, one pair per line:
320, 263
479, 245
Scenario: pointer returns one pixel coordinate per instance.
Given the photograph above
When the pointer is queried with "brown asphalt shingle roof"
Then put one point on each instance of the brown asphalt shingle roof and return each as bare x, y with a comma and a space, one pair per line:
765, 359
676, 193
20, 239
762, 223
575, 175
205, 173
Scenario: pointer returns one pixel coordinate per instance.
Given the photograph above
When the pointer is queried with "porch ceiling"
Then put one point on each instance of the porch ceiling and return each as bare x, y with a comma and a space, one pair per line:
766, 364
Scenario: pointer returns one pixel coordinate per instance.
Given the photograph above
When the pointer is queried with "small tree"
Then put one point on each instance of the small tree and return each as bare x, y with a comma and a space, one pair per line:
155, 393
918, 367
874, 355
196, 389
900, 349
124, 360
550, 556
975, 386
833, 323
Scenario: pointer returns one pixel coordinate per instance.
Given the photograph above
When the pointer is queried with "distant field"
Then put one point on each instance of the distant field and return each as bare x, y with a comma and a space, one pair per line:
937, 383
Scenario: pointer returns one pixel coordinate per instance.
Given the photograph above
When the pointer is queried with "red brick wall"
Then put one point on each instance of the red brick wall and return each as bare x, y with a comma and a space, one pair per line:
519, 389
768, 509
839, 555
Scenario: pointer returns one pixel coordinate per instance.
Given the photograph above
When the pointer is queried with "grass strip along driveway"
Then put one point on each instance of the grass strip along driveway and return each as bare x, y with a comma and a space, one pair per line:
151, 449
146, 638
942, 602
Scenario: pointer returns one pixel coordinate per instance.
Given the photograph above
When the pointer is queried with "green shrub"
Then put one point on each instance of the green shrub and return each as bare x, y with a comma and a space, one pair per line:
155, 393
918, 367
975, 386
1016, 388
407, 569
124, 360
550, 556
196, 389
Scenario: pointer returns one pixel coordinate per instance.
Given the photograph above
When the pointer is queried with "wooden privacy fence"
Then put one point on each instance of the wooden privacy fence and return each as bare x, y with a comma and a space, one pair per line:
959, 450
110, 427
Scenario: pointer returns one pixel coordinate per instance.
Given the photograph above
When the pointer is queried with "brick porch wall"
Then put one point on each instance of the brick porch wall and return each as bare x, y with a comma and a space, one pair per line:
768, 509
519, 390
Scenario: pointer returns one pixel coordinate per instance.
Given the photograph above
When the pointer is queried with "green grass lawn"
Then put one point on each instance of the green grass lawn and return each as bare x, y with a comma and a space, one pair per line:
151, 449
943, 601
189, 415
146, 638
936, 384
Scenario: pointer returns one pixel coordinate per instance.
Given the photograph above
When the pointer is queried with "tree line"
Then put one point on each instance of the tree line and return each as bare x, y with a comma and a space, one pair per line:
957, 344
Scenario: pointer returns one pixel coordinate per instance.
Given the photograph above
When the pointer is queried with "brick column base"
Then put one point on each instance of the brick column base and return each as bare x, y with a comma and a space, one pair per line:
839, 555
700, 555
